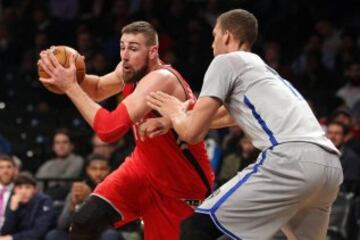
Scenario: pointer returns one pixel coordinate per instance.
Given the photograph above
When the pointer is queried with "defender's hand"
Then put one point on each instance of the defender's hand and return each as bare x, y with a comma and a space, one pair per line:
168, 106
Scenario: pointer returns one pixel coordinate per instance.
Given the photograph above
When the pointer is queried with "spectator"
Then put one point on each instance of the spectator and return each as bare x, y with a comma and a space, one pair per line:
99, 64
348, 51
351, 140
336, 132
313, 45
115, 152
30, 213
85, 46
331, 42
350, 92
65, 165
244, 154
315, 76
96, 170
7, 174
273, 57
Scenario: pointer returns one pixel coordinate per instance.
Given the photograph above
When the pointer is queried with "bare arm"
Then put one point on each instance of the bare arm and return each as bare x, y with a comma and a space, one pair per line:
64, 78
193, 126
102, 87
154, 127
222, 119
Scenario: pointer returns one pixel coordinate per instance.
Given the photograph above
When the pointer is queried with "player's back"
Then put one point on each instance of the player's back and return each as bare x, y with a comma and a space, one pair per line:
264, 104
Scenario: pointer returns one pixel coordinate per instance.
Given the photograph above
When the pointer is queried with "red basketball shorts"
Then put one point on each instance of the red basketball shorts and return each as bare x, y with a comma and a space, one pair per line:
129, 191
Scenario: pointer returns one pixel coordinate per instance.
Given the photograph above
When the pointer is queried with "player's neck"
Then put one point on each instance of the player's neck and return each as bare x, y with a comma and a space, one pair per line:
154, 64
236, 46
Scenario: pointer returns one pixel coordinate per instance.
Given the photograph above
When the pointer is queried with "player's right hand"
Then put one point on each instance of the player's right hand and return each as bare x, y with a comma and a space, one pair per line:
60, 76
154, 127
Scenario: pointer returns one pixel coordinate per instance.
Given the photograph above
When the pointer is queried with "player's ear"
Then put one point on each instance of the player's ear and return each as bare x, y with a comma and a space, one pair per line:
226, 37
153, 53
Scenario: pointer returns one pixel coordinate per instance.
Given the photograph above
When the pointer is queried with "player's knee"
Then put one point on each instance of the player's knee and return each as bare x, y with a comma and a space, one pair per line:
198, 226
92, 218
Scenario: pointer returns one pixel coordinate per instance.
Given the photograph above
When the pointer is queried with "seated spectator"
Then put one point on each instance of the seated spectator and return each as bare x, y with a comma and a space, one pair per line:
115, 152
350, 92
97, 168
7, 175
336, 132
30, 213
244, 154
65, 165
273, 57
352, 137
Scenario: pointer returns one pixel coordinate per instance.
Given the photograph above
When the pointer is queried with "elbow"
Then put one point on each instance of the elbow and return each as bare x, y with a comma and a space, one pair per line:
111, 126
97, 97
109, 134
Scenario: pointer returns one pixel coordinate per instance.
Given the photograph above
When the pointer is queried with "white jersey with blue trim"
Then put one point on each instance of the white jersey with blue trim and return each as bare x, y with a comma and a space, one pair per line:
266, 106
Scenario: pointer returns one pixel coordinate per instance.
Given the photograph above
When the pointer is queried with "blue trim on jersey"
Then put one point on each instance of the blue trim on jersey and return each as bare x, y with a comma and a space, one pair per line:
222, 228
260, 121
241, 182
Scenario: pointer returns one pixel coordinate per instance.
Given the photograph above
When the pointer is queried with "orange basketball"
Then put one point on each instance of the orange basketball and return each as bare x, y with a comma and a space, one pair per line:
63, 53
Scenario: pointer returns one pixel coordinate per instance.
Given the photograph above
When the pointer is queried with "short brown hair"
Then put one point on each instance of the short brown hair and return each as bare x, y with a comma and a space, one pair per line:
241, 23
64, 131
25, 178
7, 158
97, 157
144, 28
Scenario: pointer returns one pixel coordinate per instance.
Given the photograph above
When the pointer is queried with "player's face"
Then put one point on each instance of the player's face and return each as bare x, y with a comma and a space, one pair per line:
135, 56
218, 44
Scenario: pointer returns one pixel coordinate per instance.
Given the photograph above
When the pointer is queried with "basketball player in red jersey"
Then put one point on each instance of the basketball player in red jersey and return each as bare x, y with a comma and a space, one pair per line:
164, 178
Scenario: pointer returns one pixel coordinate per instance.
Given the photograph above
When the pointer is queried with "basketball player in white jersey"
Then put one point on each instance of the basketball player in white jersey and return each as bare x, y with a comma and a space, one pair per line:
297, 175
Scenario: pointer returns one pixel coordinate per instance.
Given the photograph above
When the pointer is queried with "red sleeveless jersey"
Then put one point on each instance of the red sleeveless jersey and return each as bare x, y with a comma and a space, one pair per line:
173, 167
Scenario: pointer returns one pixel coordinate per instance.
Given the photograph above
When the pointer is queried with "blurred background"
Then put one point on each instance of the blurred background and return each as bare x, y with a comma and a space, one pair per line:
313, 44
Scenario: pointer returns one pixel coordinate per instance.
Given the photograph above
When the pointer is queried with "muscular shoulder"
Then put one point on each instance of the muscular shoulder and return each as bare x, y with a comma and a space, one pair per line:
160, 79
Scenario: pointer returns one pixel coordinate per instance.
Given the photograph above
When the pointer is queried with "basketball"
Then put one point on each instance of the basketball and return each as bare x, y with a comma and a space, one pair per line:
63, 53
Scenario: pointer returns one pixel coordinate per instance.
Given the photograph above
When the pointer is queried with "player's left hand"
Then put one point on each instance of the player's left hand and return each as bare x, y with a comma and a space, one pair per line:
168, 106
63, 78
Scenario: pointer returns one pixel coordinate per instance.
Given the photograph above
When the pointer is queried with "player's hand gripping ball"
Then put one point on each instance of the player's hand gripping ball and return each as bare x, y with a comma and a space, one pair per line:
62, 54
